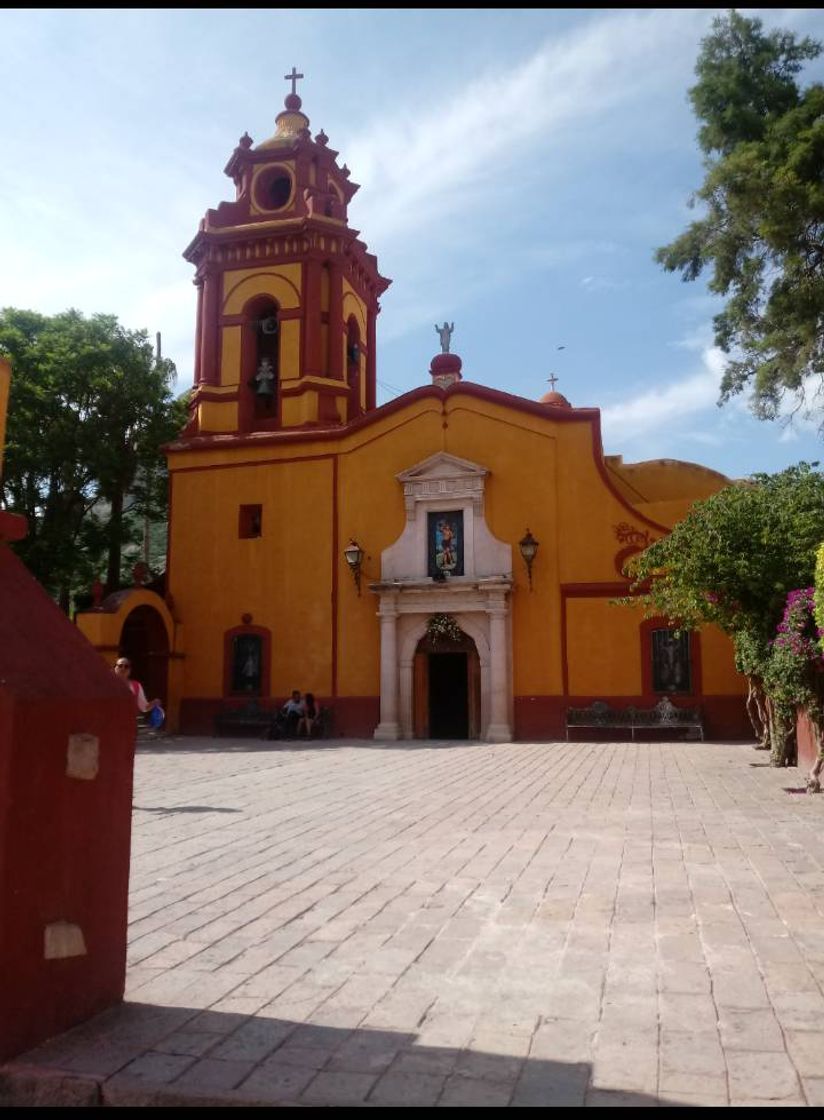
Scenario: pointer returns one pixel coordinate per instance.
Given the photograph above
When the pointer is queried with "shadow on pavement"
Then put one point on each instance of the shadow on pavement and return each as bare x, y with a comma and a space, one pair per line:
143, 1054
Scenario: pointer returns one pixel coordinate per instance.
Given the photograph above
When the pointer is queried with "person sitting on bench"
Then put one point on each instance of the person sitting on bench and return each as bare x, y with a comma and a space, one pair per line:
292, 713
311, 716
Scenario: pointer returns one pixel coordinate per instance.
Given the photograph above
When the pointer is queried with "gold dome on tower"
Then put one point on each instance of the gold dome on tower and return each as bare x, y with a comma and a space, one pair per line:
290, 123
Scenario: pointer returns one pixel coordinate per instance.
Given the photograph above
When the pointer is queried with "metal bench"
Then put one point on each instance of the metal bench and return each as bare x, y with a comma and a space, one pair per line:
664, 716
250, 715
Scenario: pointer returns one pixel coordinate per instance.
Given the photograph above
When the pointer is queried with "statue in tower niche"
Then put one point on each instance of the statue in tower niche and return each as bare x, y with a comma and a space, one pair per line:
445, 333
264, 379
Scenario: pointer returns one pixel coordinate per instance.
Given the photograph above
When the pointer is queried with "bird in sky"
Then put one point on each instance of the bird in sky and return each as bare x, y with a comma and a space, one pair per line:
560, 347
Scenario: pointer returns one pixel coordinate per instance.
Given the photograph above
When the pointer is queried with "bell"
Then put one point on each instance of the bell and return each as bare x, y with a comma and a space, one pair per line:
269, 325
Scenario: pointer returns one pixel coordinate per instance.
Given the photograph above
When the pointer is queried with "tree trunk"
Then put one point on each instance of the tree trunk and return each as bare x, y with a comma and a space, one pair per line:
757, 713
115, 534
782, 734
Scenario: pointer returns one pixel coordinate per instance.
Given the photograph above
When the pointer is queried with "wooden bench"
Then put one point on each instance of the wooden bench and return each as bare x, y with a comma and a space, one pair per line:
250, 715
665, 716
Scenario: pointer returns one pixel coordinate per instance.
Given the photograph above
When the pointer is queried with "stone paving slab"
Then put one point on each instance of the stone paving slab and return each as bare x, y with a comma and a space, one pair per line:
451, 924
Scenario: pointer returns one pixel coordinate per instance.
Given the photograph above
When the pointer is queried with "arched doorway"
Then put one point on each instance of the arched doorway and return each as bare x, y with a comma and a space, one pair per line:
446, 689
145, 642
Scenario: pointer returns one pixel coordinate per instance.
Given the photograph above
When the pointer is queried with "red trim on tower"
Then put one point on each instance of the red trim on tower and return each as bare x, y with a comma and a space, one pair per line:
335, 599
334, 335
312, 339
198, 329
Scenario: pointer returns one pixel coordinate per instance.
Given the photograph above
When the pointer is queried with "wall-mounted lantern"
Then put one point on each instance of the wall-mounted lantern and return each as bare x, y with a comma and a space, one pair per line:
353, 554
529, 548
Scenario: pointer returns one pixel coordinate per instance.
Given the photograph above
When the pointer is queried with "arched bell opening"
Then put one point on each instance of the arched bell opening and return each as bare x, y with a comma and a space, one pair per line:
354, 407
260, 364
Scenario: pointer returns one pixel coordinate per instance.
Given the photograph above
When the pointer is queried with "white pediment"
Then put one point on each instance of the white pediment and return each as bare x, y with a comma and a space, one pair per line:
442, 466
445, 482
443, 476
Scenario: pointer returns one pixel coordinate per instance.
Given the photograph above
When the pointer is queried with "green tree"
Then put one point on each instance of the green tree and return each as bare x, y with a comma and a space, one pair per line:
732, 561
90, 407
762, 232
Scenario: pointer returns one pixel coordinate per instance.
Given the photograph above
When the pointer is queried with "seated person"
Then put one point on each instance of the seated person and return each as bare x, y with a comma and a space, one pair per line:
123, 669
311, 716
292, 713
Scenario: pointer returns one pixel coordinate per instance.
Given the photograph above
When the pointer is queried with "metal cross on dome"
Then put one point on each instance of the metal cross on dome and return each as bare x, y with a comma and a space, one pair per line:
553, 381
293, 78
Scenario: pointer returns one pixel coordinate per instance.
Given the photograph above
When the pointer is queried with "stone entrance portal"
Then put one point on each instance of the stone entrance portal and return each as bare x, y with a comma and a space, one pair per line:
446, 561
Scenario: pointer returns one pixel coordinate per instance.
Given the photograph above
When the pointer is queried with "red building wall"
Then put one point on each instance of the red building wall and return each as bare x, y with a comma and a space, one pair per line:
67, 731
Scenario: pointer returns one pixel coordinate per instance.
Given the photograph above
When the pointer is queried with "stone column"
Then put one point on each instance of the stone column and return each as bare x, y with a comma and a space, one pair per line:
334, 334
209, 362
405, 720
388, 614
499, 730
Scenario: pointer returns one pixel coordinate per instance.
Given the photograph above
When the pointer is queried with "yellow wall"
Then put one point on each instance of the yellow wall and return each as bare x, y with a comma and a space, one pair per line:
718, 665
543, 477
603, 648
281, 578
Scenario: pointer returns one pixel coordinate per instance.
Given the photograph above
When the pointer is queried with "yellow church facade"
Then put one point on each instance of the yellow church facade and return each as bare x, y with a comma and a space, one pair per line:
442, 566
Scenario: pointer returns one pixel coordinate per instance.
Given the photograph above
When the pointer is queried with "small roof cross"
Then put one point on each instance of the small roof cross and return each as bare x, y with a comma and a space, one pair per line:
293, 78
553, 380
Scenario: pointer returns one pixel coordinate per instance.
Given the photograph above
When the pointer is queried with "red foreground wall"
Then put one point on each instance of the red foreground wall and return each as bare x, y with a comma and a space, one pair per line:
64, 838
807, 742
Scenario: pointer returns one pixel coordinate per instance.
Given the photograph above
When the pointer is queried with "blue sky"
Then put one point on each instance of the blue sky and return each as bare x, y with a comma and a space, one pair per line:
518, 168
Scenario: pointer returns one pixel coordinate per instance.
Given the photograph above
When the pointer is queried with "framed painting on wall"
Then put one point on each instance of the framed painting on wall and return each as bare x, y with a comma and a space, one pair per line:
445, 544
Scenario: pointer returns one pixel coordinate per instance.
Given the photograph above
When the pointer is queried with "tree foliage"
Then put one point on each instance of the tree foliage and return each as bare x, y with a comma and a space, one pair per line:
733, 561
818, 597
90, 407
762, 231
737, 554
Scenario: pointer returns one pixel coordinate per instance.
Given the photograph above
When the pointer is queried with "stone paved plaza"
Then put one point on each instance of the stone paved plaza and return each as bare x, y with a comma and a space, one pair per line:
461, 924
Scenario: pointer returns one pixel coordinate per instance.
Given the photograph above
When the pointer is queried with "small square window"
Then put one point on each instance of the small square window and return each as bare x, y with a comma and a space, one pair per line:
250, 521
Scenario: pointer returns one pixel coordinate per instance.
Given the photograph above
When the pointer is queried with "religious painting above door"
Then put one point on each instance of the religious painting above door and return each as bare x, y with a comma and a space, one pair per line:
445, 544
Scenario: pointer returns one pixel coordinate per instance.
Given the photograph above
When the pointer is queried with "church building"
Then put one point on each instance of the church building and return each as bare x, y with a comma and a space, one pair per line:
442, 566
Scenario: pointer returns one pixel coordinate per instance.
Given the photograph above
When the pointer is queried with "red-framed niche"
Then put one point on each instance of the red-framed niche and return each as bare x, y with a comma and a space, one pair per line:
685, 698
265, 635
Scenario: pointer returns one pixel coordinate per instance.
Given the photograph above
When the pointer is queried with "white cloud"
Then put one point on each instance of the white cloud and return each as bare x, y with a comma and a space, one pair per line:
651, 411
602, 284
427, 163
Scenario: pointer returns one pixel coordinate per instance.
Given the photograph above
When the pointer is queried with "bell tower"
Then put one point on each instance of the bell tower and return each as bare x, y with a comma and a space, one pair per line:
287, 293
